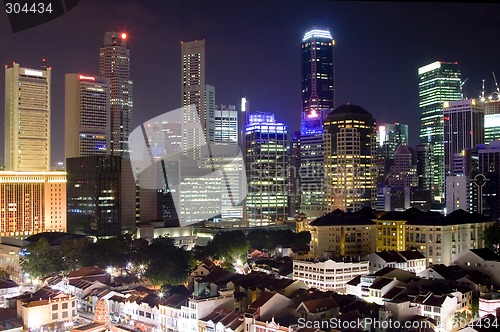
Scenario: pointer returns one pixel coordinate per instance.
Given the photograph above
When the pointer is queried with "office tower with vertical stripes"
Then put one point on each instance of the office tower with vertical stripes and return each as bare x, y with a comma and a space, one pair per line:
87, 120
27, 119
439, 82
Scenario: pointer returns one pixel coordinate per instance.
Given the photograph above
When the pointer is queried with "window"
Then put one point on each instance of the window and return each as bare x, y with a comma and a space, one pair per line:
65, 305
54, 316
55, 307
65, 314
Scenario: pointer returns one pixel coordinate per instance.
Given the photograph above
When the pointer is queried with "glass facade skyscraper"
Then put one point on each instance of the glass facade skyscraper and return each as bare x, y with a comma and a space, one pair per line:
318, 99
266, 166
438, 82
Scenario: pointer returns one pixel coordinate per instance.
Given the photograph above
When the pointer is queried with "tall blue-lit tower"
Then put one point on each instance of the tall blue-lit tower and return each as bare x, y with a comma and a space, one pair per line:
318, 100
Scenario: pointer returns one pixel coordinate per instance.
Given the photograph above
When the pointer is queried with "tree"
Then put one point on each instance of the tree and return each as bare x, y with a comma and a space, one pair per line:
229, 246
41, 260
167, 264
75, 254
491, 238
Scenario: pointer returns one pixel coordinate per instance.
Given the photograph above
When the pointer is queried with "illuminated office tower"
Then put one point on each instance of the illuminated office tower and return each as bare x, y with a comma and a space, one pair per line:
438, 82
87, 116
266, 166
114, 64
318, 99
463, 129
491, 118
350, 149
27, 119
198, 100
226, 125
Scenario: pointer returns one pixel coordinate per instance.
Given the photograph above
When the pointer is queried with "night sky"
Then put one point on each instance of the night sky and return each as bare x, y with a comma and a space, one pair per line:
253, 50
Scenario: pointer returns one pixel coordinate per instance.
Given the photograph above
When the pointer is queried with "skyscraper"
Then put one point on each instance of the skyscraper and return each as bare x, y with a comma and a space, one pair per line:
318, 99
350, 148
87, 116
463, 129
438, 82
389, 137
114, 63
32, 199
226, 125
194, 98
27, 119
266, 165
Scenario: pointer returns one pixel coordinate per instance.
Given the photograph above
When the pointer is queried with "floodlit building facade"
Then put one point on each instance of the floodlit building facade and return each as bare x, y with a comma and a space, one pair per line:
32, 202
350, 150
328, 275
27, 119
87, 120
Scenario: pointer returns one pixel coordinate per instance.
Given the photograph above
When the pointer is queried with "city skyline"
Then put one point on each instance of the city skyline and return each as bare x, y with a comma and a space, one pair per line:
382, 79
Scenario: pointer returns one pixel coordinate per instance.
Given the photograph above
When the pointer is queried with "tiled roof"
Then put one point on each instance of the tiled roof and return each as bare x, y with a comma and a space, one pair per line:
355, 281
261, 300
86, 272
320, 305
394, 292
456, 217
391, 256
486, 254
381, 283
341, 218
6, 283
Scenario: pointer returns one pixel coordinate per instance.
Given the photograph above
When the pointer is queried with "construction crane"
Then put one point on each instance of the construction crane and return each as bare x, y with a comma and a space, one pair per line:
461, 84
496, 85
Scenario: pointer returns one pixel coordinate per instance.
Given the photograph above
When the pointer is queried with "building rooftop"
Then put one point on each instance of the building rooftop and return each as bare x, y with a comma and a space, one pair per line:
86, 271
456, 217
341, 218
486, 254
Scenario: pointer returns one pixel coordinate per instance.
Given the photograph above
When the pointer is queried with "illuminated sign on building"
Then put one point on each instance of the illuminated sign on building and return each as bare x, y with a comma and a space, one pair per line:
31, 72
88, 78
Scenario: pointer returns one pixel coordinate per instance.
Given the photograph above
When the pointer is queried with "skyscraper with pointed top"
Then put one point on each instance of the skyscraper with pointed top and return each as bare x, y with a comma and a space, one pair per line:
318, 99
114, 64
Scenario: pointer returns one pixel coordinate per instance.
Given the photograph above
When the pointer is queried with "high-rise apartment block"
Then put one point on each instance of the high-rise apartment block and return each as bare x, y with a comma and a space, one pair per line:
318, 99
27, 119
114, 64
87, 120
439, 82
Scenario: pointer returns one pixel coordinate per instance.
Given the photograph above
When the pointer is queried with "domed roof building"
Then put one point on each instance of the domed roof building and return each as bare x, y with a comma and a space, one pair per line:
350, 149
